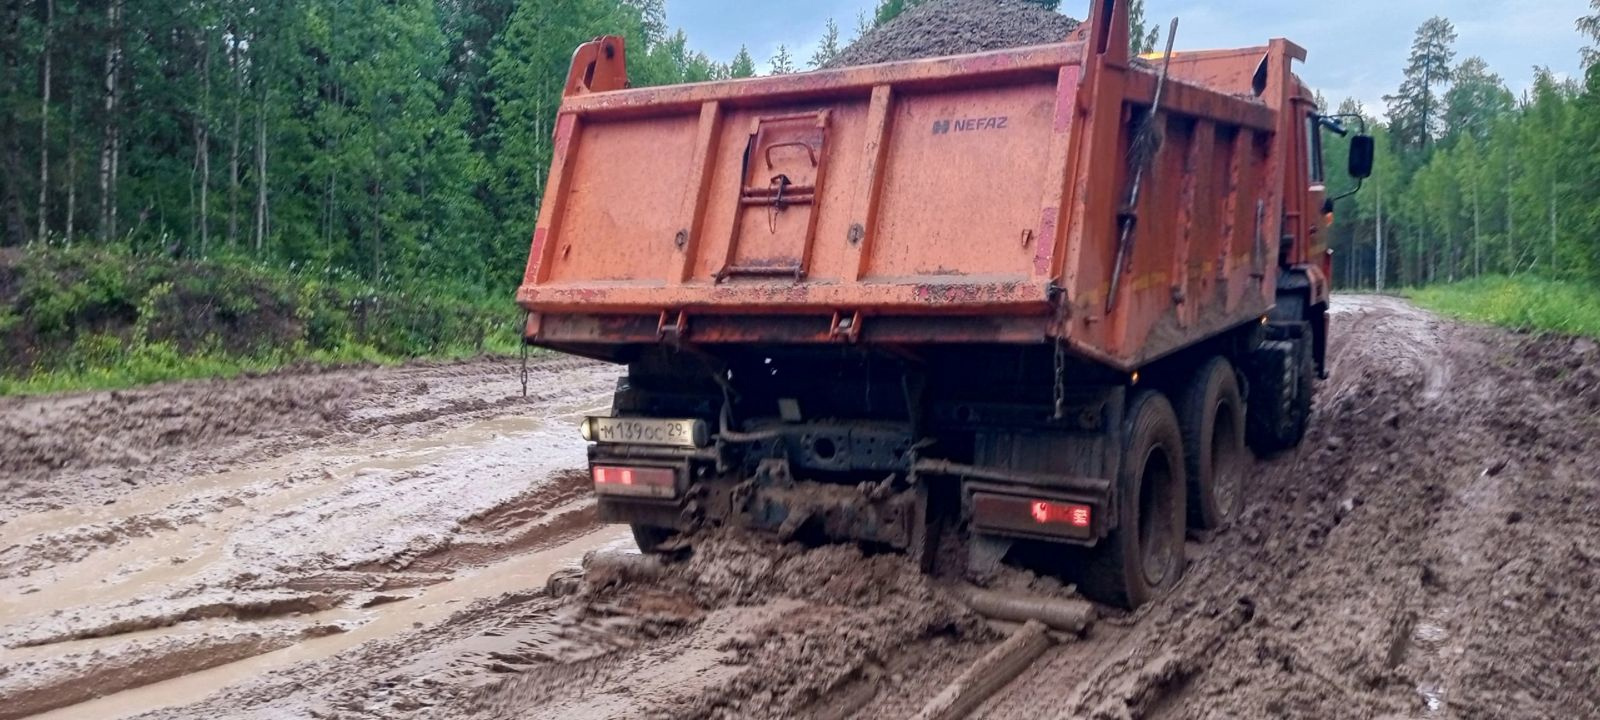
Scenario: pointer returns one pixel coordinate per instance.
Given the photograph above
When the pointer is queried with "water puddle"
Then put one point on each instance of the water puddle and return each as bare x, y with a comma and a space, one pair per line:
432, 606
1429, 637
202, 517
350, 462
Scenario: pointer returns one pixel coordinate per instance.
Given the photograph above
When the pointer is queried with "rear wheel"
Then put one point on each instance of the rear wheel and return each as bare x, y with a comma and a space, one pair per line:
1211, 414
1282, 381
649, 538
1143, 557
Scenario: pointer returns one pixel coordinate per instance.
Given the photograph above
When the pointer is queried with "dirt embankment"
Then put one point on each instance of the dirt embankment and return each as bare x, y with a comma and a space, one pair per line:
1428, 552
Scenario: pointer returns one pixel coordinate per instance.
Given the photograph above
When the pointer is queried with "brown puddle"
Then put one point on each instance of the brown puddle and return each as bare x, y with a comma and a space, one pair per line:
430, 607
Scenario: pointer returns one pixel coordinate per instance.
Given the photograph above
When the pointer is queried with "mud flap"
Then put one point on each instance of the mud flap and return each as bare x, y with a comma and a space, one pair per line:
925, 532
984, 553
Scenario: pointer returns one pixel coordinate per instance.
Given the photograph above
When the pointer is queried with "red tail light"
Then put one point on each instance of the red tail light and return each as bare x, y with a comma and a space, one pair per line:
635, 481
1032, 516
1045, 512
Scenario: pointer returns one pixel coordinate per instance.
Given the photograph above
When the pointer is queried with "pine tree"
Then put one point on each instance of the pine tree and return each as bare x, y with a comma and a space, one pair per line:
1474, 100
1589, 25
890, 9
1414, 109
743, 65
827, 47
781, 63
1142, 38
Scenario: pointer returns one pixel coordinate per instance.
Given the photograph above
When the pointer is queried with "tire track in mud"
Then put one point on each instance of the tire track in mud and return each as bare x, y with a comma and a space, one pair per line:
427, 480
1429, 551
1368, 553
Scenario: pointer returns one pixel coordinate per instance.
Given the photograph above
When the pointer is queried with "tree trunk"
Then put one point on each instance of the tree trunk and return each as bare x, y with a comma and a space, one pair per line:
44, 121
71, 226
1452, 246
202, 145
1377, 260
1477, 234
377, 229
261, 171
1511, 237
233, 153
108, 142
13, 222
1552, 270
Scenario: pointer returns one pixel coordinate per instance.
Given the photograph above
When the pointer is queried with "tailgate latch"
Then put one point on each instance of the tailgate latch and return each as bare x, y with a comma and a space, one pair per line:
784, 166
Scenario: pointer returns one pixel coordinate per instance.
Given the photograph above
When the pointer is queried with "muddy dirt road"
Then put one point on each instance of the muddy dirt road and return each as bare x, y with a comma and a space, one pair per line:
375, 544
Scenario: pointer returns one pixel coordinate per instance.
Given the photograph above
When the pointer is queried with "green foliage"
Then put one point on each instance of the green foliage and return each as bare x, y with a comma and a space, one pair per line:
890, 9
87, 317
1143, 37
781, 63
827, 47
1414, 110
1523, 303
1589, 25
743, 65
402, 140
1472, 181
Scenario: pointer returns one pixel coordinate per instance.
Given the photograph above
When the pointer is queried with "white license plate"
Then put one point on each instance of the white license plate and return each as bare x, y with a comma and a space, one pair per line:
648, 431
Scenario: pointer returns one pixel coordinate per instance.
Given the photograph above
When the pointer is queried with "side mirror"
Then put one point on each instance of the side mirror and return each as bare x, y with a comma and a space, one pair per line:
1361, 149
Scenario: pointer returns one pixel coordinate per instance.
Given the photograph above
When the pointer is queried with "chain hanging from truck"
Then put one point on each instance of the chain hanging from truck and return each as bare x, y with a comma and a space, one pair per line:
1140, 152
525, 316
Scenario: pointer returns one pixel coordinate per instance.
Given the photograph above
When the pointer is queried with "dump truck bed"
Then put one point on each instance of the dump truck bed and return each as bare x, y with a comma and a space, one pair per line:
966, 199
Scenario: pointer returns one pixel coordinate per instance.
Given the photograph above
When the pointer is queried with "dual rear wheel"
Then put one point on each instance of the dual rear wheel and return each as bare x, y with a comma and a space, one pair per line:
1182, 466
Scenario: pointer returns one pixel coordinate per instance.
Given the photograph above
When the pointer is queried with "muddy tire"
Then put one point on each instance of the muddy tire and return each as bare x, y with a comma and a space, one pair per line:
1143, 557
1211, 415
1282, 380
649, 538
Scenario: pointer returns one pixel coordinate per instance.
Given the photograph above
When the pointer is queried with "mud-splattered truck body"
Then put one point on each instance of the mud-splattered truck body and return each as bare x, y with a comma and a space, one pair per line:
956, 295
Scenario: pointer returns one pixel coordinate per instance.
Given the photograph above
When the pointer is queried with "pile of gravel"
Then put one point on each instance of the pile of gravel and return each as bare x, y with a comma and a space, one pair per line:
955, 27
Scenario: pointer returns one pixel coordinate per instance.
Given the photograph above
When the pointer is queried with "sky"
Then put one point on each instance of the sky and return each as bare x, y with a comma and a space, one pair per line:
1355, 48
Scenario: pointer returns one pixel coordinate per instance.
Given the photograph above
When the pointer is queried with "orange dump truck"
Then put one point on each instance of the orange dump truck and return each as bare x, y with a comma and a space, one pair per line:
1038, 299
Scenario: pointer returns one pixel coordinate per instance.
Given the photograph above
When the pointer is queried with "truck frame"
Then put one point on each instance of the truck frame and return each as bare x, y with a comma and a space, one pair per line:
1035, 301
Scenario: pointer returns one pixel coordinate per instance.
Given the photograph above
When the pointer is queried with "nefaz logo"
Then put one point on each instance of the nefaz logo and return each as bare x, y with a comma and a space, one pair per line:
940, 127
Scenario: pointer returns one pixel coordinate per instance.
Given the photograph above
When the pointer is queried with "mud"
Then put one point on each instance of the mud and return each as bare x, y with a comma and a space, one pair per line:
271, 512
956, 27
1430, 551
1425, 553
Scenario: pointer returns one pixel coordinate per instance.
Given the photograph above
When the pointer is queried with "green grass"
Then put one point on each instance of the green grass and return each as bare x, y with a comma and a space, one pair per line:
106, 318
1522, 303
145, 364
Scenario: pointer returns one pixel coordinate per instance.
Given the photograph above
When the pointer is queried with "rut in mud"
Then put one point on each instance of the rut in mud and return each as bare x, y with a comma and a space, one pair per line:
151, 534
1429, 551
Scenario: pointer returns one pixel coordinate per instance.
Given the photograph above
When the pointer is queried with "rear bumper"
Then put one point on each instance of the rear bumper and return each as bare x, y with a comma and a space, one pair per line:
972, 310
965, 296
573, 331
994, 502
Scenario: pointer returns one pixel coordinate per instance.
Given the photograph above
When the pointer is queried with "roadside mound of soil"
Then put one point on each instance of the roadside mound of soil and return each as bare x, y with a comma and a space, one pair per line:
957, 27
89, 311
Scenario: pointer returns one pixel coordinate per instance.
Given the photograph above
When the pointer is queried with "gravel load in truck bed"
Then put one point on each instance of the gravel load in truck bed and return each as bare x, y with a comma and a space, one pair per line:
955, 27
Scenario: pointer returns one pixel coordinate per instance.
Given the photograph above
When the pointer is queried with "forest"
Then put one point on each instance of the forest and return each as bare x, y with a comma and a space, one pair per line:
1471, 178
398, 147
